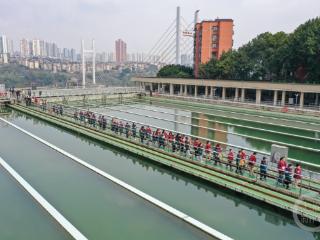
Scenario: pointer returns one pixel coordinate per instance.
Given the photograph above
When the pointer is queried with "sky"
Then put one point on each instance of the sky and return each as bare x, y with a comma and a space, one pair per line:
140, 23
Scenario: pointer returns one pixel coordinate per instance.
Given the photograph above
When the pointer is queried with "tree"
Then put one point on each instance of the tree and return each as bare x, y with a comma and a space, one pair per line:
274, 57
303, 52
175, 71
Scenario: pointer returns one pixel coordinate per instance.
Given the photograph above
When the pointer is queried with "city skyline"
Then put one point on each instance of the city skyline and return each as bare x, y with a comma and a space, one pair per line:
60, 23
39, 48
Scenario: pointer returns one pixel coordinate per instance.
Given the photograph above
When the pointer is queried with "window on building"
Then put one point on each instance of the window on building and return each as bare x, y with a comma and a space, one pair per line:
214, 45
215, 28
214, 38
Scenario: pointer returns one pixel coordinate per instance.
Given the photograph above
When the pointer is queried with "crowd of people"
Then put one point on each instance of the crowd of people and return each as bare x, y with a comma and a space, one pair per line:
57, 109
194, 148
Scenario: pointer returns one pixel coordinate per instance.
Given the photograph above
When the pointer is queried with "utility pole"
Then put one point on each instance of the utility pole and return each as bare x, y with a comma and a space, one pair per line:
178, 36
93, 62
83, 65
93, 52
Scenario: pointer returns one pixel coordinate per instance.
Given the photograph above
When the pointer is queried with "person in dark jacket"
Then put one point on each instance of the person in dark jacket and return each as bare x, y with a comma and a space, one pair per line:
263, 169
288, 176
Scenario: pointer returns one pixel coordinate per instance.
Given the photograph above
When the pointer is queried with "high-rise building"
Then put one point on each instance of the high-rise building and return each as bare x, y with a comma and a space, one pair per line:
66, 53
3, 44
24, 48
121, 51
3, 49
42, 48
30, 48
110, 57
54, 49
36, 49
47, 49
73, 55
211, 39
59, 53
10, 46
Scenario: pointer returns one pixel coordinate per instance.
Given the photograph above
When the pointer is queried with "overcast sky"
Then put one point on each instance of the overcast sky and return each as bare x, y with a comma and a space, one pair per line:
141, 22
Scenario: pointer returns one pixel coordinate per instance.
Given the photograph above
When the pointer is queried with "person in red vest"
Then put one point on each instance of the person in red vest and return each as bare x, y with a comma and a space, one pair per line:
297, 175
252, 163
230, 159
282, 164
148, 133
243, 154
208, 150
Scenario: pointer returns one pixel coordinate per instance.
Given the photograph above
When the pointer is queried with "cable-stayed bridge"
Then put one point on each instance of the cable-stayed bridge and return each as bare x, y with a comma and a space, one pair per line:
175, 45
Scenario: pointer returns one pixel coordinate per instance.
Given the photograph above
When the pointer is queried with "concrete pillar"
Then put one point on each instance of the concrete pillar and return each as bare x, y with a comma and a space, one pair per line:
317, 99
258, 96
159, 87
181, 89
171, 89
243, 93
275, 97
211, 92
236, 95
224, 93
206, 91
195, 91
301, 99
185, 90
151, 87
283, 98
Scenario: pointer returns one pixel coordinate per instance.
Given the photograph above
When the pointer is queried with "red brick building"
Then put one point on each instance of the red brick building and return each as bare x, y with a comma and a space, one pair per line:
212, 38
121, 51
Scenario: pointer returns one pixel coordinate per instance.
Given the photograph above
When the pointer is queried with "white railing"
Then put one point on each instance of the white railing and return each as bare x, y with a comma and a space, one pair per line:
248, 102
82, 91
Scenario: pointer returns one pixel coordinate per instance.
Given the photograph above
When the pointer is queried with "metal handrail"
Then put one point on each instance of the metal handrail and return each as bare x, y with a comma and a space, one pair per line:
110, 117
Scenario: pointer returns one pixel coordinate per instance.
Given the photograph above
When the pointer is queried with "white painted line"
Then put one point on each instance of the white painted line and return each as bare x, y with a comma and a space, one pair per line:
130, 188
75, 233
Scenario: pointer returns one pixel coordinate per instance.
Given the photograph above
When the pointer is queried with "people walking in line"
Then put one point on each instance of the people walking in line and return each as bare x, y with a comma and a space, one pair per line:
252, 163
208, 150
142, 134
238, 158
297, 175
230, 159
288, 176
263, 169
242, 165
121, 128
282, 164
200, 151
217, 154
162, 141
104, 123
134, 130
127, 129
188, 146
